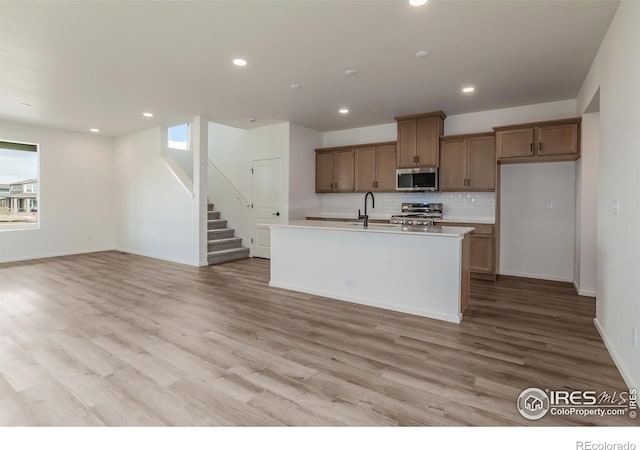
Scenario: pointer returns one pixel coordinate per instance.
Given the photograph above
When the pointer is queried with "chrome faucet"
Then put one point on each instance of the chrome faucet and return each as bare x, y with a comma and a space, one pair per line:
365, 217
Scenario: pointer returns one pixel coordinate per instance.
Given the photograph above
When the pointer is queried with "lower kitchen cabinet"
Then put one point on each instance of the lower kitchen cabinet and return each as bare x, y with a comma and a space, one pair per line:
481, 253
483, 249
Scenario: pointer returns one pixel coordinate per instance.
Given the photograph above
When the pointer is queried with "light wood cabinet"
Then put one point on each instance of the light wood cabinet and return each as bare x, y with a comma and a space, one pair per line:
468, 163
483, 239
385, 167
481, 253
365, 168
361, 168
335, 170
419, 139
557, 140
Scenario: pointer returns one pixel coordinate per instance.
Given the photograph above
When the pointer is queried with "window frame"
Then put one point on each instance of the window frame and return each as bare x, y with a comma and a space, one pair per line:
38, 222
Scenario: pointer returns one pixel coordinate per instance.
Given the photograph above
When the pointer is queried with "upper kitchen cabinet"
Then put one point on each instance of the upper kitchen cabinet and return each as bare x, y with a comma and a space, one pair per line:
376, 167
419, 139
335, 170
468, 162
557, 140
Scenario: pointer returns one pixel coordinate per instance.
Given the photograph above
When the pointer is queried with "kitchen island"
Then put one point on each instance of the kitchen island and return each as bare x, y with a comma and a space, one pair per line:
416, 270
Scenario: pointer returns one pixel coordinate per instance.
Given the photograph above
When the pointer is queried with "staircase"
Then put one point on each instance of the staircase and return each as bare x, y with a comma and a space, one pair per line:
222, 246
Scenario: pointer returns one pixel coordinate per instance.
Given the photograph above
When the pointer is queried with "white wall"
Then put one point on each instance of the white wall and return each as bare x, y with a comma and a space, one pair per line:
77, 206
158, 216
302, 174
585, 271
377, 133
616, 71
232, 150
535, 241
485, 120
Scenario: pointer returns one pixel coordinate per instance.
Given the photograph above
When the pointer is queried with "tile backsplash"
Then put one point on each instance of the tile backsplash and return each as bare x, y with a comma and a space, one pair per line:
478, 205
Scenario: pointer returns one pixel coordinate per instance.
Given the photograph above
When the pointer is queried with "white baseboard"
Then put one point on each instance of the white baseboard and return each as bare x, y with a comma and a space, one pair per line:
626, 375
160, 257
583, 292
418, 312
537, 276
54, 255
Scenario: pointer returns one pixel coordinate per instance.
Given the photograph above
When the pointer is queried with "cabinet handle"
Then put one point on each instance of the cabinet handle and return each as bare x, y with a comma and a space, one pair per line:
531, 148
418, 158
336, 185
540, 147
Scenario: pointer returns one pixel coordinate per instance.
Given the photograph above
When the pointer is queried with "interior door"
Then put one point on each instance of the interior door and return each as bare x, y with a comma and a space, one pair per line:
267, 203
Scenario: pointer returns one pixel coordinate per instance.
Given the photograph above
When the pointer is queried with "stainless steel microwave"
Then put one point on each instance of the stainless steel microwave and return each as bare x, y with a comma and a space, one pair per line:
417, 179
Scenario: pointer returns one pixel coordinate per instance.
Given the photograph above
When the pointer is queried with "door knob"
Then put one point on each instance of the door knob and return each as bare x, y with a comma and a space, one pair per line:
276, 214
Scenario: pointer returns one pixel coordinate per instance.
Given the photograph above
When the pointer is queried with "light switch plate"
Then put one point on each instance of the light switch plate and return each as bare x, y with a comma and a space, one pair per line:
615, 207
549, 204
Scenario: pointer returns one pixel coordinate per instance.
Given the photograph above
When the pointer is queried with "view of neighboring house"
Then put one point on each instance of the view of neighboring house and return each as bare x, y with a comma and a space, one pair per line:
19, 201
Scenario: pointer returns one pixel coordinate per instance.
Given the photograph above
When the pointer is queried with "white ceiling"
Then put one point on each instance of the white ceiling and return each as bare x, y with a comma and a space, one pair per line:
101, 64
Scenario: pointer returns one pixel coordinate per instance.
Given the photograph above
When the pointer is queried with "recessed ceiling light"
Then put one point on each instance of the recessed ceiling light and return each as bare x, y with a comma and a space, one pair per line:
240, 62
295, 86
343, 110
350, 72
418, 2
94, 130
252, 119
468, 89
422, 54
26, 105
147, 114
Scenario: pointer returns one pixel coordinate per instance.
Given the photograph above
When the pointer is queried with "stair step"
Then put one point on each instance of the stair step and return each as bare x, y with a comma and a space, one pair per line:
224, 244
220, 233
215, 224
213, 215
227, 255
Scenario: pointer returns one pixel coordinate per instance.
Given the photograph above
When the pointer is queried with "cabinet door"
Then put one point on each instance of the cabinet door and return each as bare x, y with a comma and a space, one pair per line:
324, 171
386, 167
428, 140
343, 171
481, 253
514, 143
366, 168
407, 143
482, 164
453, 165
557, 139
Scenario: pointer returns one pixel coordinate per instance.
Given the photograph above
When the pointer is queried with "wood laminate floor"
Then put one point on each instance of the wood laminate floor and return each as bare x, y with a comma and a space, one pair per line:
115, 339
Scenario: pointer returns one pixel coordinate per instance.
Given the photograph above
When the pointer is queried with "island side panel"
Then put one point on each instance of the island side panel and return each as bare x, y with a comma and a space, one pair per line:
408, 273
465, 274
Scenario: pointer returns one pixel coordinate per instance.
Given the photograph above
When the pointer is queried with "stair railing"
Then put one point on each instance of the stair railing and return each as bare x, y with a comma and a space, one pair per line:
237, 193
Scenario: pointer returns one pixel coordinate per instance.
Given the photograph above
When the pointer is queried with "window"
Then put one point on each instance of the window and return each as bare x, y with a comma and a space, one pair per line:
179, 137
18, 185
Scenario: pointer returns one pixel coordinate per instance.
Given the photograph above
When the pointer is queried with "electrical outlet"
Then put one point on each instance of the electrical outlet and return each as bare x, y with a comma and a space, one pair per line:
634, 337
549, 204
351, 283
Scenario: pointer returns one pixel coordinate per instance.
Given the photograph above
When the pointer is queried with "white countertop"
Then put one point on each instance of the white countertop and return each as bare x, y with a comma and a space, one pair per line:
377, 228
445, 218
459, 219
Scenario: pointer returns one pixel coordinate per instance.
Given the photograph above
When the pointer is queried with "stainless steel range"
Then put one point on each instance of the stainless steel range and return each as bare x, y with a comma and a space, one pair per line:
421, 214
